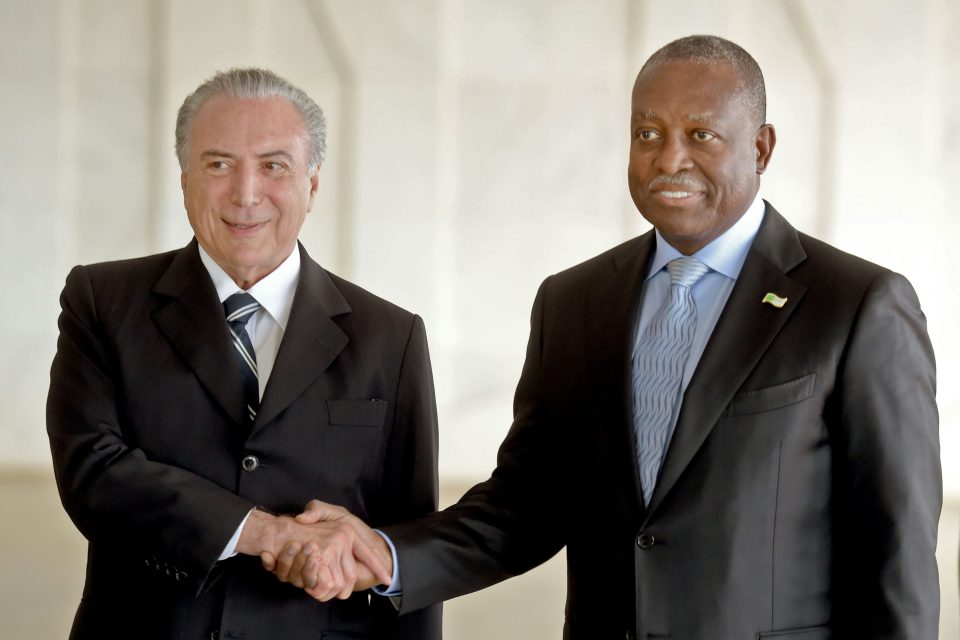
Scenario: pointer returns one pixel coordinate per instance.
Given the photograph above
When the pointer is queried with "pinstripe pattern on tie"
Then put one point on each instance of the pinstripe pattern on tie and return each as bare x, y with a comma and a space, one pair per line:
658, 363
239, 308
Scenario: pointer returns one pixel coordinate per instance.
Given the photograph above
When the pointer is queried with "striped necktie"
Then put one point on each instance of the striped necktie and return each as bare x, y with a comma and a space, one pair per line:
658, 363
239, 308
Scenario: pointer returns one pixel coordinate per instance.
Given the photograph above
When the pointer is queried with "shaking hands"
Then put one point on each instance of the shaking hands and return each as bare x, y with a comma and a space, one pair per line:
326, 550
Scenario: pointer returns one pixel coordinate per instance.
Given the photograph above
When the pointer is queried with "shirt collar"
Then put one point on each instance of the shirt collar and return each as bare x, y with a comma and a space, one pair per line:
726, 254
274, 291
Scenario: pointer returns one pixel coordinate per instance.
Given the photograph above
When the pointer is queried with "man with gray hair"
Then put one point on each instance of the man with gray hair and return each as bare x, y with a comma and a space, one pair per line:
729, 425
199, 395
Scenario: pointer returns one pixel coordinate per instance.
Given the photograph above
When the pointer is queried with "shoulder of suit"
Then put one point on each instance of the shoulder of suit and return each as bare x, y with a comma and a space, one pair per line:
603, 262
122, 278
361, 299
117, 288
133, 268
824, 257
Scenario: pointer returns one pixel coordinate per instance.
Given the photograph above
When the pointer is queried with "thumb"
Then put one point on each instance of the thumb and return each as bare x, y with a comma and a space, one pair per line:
317, 511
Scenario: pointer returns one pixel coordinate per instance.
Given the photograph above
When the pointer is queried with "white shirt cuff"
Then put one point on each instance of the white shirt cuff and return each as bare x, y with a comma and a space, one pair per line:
231, 549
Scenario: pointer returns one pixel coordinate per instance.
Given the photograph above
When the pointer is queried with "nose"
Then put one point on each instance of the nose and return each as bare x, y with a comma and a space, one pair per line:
674, 156
247, 188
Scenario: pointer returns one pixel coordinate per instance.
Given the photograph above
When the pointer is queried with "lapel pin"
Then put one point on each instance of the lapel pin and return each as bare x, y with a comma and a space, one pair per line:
775, 300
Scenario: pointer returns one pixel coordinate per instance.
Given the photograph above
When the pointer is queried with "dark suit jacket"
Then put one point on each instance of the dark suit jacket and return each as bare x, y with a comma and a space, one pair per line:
144, 417
800, 493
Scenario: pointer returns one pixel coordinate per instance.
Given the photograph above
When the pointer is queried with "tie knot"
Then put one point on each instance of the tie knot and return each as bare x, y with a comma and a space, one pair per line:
240, 307
686, 271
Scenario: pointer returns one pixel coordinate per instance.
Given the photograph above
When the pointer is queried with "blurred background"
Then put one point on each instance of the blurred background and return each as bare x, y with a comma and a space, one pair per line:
476, 146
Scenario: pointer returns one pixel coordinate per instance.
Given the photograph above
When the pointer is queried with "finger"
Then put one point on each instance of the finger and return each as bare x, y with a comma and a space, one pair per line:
268, 560
333, 560
381, 567
349, 571
297, 566
317, 593
321, 578
365, 578
285, 561
324, 591
306, 565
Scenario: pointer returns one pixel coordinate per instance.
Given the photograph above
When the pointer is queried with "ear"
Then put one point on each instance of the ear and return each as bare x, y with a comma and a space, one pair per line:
765, 141
314, 177
183, 181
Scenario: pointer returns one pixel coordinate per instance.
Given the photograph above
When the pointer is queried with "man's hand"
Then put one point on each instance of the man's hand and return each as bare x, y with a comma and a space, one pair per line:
363, 556
325, 550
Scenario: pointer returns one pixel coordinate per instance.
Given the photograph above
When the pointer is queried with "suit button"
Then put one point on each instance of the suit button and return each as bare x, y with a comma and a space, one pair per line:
250, 463
630, 635
214, 635
646, 541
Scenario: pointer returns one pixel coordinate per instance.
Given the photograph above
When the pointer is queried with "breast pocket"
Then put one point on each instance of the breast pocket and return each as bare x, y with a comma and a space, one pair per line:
350, 444
359, 413
805, 633
773, 397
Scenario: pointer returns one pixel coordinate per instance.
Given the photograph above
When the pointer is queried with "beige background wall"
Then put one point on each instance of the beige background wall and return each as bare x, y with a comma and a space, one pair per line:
476, 147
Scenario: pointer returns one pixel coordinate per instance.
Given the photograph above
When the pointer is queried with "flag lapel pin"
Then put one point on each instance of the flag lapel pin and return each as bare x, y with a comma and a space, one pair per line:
775, 300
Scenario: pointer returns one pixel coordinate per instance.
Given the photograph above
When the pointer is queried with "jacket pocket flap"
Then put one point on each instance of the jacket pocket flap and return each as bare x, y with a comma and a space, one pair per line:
362, 413
804, 633
774, 397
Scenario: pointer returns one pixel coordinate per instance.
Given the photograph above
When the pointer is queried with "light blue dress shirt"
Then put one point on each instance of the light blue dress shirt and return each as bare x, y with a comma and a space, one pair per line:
725, 257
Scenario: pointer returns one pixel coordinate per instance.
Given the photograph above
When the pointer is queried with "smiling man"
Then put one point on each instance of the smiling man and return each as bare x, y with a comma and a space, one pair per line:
730, 425
198, 395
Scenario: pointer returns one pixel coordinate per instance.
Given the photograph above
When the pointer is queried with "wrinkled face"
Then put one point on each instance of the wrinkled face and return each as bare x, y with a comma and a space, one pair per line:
696, 152
247, 187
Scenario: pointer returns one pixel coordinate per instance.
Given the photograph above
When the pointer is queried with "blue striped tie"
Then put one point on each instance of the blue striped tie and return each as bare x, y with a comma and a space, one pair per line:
239, 308
658, 363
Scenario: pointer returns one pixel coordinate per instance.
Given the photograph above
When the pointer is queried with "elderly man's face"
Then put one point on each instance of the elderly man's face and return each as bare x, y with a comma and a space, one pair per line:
696, 152
247, 188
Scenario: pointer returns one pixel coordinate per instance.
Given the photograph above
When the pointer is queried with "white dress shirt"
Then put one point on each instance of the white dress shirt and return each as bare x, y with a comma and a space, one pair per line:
275, 294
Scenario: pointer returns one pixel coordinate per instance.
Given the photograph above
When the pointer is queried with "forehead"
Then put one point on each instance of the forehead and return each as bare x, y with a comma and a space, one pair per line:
688, 89
236, 125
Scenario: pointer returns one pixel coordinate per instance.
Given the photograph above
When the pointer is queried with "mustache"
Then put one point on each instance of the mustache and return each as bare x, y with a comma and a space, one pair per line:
677, 180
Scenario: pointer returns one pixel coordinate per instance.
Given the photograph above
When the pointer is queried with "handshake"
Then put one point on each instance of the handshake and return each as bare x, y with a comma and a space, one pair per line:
326, 550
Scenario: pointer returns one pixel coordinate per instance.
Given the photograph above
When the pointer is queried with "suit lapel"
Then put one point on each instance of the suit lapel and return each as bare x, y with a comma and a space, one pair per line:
611, 319
311, 341
743, 332
193, 322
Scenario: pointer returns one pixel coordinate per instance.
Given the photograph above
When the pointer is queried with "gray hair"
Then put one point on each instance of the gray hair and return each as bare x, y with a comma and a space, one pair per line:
712, 50
253, 84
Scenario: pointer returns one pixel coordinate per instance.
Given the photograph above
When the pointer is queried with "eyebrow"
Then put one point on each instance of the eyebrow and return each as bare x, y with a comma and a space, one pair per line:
216, 153
702, 119
278, 152
653, 115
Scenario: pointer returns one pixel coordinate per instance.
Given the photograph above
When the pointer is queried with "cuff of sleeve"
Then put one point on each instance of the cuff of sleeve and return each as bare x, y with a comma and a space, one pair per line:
395, 588
231, 549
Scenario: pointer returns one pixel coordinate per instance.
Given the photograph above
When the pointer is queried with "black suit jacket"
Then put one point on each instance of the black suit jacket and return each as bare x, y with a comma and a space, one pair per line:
144, 417
800, 493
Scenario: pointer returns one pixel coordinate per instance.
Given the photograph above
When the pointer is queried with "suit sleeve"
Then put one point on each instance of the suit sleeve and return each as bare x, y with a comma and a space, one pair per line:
503, 526
411, 486
115, 495
887, 468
